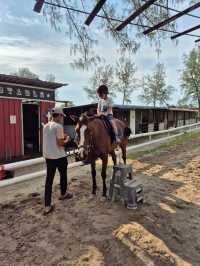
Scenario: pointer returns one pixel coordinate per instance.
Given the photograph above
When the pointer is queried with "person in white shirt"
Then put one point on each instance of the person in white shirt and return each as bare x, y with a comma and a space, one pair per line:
54, 141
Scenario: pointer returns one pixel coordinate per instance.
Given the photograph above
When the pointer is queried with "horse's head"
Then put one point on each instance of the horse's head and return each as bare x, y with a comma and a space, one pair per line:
82, 137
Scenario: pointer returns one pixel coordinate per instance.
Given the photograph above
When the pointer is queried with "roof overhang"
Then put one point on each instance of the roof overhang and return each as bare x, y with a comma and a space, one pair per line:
30, 82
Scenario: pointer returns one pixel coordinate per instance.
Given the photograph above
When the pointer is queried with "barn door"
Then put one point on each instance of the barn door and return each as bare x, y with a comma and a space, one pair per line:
31, 128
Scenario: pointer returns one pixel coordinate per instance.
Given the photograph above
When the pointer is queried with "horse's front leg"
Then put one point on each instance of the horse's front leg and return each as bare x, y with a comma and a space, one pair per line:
94, 184
103, 174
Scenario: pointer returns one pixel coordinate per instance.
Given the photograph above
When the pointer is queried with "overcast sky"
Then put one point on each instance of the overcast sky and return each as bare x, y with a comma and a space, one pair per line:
26, 40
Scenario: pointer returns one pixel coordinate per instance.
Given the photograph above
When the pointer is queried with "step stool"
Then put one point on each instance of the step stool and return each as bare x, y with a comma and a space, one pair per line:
133, 194
121, 173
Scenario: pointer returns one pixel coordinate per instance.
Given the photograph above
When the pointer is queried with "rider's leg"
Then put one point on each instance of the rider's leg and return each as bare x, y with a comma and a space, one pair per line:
112, 121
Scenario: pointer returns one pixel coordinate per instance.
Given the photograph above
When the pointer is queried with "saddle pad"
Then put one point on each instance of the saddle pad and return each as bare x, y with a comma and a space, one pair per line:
108, 127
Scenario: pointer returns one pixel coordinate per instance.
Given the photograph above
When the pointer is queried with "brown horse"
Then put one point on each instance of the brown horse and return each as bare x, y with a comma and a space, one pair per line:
94, 141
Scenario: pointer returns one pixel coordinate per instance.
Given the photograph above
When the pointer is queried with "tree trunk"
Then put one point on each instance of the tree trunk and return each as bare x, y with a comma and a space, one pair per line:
199, 108
154, 114
124, 96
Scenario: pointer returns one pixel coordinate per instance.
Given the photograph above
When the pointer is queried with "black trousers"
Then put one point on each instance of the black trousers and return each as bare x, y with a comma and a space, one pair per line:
52, 165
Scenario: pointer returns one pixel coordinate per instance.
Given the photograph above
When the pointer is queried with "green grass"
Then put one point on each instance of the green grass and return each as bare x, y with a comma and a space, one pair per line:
164, 146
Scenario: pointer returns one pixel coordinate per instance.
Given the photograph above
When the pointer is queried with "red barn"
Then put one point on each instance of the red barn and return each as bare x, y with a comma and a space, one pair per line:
24, 104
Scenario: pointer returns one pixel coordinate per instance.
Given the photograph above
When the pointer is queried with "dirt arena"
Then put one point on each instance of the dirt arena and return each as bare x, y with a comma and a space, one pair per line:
165, 231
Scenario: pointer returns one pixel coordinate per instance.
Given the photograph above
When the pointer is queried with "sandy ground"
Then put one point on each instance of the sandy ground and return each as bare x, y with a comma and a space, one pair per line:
165, 231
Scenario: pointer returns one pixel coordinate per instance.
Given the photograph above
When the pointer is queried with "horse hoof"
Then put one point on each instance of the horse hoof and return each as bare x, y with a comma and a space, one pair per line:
92, 197
103, 199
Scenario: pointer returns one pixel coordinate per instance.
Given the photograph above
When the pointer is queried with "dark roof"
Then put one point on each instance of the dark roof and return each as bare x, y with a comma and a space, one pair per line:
140, 107
81, 106
132, 107
118, 106
30, 82
183, 109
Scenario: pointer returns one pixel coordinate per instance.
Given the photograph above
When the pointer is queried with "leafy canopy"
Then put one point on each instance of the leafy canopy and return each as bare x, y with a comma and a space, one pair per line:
154, 88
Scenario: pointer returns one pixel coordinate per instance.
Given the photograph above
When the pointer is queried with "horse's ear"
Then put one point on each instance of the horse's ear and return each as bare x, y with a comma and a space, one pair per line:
84, 118
74, 118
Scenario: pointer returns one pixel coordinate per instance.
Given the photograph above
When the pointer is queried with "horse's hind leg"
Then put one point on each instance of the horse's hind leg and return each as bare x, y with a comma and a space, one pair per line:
123, 148
94, 184
114, 158
103, 174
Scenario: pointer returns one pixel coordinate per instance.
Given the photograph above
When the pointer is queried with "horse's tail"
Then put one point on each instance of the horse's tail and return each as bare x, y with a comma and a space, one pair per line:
127, 132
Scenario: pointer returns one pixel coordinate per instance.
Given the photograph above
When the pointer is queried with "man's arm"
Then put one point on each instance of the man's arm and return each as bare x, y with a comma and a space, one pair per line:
62, 138
63, 142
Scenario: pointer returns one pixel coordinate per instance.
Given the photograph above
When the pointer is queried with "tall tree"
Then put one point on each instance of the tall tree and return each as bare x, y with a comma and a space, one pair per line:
25, 72
191, 76
83, 39
154, 88
125, 78
101, 75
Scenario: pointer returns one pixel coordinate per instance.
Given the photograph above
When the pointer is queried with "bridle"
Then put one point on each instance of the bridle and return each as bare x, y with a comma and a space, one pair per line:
88, 148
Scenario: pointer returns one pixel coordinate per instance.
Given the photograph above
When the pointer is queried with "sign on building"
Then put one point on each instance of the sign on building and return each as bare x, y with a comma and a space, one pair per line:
27, 93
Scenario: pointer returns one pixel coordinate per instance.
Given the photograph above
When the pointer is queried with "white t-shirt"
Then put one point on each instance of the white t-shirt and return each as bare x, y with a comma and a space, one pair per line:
51, 133
104, 105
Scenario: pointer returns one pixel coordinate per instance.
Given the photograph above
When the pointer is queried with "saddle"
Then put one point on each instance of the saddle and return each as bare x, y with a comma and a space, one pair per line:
108, 127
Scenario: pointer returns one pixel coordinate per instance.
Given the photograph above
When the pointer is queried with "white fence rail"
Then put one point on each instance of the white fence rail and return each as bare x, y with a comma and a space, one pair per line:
26, 177
168, 131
